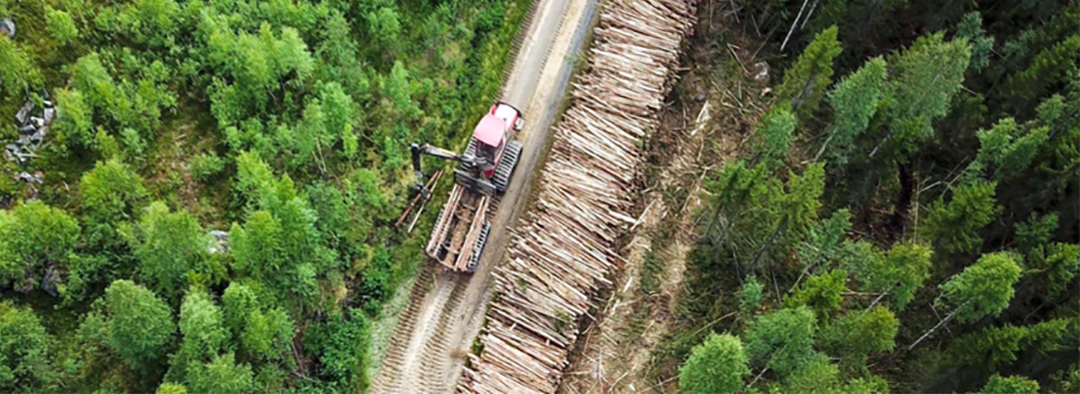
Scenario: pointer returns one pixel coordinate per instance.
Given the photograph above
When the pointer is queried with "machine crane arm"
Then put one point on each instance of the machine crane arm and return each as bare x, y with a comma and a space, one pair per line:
428, 149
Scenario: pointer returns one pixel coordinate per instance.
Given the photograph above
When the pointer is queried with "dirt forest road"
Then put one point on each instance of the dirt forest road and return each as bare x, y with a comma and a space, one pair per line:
445, 311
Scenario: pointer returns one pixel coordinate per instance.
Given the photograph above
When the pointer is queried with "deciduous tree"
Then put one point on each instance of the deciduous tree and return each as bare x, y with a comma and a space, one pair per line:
172, 245
139, 324
24, 358
33, 237
222, 375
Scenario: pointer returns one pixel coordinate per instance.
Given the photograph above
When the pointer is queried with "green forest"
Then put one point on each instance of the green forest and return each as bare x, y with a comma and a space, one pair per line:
281, 126
903, 215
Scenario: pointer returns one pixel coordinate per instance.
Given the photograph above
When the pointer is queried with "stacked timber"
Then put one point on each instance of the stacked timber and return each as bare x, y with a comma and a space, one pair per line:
566, 246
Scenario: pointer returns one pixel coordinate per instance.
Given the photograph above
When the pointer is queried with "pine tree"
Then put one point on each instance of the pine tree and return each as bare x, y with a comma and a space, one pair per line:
792, 211
34, 236
716, 366
1054, 266
854, 101
1049, 67
989, 348
222, 375
201, 324
1036, 231
996, 347
750, 296
806, 80
824, 245
1009, 149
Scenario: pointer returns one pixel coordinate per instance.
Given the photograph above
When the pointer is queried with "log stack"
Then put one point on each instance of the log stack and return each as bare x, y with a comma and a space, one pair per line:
566, 246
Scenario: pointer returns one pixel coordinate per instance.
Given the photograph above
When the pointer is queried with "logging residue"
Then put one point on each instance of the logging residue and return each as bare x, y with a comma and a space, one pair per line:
565, 247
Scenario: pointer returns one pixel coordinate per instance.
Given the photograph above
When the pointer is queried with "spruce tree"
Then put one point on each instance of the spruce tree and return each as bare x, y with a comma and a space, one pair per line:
1010, 385
926, 76
782, 340
953, 226
982, 289
970, 27
775, 134
716, 366
805, 81
854, 101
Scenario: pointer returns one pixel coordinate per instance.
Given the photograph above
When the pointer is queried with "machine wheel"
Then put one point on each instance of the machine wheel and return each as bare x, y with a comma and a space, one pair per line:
506, 166
478, 248
519, 123
486, 188
469, 151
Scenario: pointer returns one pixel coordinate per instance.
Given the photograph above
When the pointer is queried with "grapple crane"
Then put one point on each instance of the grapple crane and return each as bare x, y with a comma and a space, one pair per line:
484, 172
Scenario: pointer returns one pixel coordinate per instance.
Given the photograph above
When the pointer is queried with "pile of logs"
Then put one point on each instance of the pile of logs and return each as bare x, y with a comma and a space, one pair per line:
565, 247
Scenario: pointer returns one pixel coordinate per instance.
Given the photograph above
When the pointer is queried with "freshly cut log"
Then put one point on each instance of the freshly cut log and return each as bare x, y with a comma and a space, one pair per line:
564, 249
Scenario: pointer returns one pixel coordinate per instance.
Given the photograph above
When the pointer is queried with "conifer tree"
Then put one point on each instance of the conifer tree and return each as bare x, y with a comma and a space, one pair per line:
858, 334
854, 101
821, 293
953, 226
716, 366
782, 340
970, 27
775, 135
899, 273
24, 345
925, 77
982, 289
805, 81
34, 236
1010, 385
139, 324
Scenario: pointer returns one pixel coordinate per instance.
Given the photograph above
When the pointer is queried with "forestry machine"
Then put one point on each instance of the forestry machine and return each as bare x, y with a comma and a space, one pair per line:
484, 172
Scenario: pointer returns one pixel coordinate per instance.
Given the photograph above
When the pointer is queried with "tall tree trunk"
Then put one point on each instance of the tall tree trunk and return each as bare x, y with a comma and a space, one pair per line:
940, 323
898, 219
